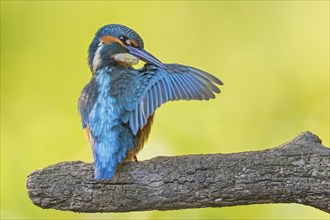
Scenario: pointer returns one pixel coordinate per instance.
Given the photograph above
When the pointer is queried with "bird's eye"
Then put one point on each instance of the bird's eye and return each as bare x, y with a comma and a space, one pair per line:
123, 38
128, 42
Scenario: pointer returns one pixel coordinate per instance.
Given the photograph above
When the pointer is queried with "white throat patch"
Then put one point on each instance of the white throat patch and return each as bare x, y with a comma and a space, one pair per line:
126, 58
97, 58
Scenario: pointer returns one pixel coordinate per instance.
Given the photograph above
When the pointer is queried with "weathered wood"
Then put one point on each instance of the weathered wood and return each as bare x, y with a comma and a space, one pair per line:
295, 172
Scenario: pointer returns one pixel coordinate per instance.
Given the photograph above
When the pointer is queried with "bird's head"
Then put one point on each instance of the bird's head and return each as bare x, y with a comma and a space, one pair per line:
117, 45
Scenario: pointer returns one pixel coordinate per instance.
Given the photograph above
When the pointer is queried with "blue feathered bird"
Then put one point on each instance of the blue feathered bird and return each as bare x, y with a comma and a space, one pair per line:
118, 104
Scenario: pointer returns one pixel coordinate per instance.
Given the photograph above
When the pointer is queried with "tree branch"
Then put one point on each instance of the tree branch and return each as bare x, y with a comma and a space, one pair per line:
295, 172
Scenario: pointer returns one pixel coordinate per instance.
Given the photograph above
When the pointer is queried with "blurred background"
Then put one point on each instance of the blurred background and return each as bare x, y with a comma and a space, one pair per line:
273, 57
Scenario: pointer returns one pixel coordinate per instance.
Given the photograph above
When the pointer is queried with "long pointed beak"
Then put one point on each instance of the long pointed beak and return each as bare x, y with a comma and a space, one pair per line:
145, 56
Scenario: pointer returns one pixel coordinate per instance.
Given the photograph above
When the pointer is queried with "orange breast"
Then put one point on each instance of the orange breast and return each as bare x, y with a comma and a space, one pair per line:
142, 136
89, 137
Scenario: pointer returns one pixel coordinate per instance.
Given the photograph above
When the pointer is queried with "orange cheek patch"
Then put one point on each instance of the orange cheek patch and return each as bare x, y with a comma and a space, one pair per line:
109, 39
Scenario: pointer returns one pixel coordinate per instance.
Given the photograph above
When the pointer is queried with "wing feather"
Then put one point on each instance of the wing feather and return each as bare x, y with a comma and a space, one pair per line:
151, 101
193, 87
186, 87
160, 93
175, 83
169, 88
165, 90
181, 86
176, 90
204, 88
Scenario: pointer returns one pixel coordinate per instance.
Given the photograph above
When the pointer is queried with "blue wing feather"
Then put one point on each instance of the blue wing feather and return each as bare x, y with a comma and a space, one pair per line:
206, 75
160, 93
169, 88
194, 88
165, 90
179, 86
146, 102
151, 101
186, 89
155, 96
176, 90
142, 120
203, 88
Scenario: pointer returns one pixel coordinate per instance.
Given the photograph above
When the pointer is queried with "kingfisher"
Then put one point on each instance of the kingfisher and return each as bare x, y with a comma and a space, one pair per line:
117, 106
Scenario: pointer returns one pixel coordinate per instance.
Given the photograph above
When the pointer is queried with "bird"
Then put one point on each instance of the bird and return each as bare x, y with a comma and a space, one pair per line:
117, 106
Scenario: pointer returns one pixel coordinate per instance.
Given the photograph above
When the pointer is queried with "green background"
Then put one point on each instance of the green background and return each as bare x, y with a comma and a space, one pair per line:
273, 57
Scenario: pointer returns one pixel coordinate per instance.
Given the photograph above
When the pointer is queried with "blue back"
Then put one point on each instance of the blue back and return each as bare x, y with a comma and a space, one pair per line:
111, 138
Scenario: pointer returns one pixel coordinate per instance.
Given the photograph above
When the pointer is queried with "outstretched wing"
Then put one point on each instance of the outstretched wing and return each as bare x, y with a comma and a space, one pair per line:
177, 82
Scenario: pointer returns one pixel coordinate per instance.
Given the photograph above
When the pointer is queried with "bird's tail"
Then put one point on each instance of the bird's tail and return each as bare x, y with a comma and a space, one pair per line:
111, 149
106, 158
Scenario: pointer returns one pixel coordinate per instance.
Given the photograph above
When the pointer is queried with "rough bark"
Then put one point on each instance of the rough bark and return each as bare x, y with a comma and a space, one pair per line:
295, 172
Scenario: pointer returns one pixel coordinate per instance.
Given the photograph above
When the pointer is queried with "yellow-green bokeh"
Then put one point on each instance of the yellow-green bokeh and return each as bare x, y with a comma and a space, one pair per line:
273, 57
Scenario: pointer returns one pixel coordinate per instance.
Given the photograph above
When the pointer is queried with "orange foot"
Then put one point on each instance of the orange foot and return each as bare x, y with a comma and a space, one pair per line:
135, 158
